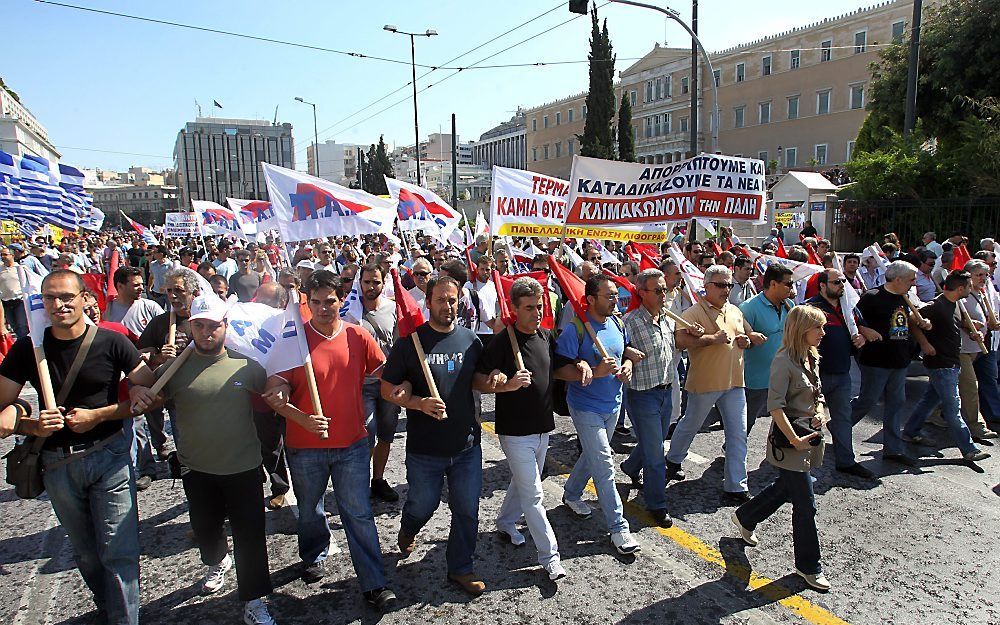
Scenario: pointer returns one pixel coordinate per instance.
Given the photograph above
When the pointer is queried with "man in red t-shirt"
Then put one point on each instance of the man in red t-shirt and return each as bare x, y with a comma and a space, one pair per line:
342, 355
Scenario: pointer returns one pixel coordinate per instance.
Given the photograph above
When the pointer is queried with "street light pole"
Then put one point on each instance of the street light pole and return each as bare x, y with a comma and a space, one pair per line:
315, 136
672, 14
413, 67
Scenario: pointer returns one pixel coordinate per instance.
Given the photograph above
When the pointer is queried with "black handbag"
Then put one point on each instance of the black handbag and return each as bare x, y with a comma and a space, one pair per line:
24, 466
802, 426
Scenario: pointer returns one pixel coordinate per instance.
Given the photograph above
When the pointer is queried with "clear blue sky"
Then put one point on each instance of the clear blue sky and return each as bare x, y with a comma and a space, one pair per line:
118, 85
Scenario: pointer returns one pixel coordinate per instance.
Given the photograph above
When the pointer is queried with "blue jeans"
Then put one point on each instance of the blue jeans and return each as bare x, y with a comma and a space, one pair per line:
989, 394
312, 470
876, 383
94, 499
597, 461
425, 477
16, 317
943, 390
837, 391
732, 406
795, 487
650, 413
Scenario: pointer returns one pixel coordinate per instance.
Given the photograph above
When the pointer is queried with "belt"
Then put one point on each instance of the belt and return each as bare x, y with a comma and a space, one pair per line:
662, 387
74, 449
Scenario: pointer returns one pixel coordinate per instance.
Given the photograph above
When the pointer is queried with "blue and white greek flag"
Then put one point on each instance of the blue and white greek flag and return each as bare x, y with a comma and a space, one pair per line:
35, 192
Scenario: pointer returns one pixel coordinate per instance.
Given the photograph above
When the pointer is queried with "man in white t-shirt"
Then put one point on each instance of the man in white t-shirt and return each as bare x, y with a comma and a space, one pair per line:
224, 265
422, 272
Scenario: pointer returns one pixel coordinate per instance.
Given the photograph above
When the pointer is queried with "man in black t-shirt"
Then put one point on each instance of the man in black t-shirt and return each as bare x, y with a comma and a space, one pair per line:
442, 434
88, 473
524, 419
883, 363
941, 346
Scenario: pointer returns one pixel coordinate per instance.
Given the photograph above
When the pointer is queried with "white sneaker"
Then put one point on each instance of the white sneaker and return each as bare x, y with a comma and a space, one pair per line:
216, 576
255, 613
624, 543
748, 536
817, 582
555, 570
511, 534
578, 507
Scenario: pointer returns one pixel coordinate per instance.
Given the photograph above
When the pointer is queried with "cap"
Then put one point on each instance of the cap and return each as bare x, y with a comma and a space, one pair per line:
211, 307
305, 264
16, 247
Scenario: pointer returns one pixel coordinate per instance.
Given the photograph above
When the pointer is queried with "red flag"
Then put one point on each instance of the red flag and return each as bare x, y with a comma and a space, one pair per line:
960, 256
408, 315
814, 258
473, 270
112, 268
503, 297
572, 286
780, 250
802, 237
716, 250
646, 261
727, 244
624, 283
96, 283
648, 248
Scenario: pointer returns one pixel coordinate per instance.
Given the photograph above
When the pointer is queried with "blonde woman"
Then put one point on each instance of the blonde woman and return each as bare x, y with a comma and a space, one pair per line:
794, 445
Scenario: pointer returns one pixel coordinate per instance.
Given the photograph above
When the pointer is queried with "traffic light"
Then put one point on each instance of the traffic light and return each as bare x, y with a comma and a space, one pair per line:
578, 6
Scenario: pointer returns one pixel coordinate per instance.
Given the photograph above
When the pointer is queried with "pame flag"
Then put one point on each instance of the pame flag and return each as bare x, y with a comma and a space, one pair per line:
256, 216
271, 336
307, 207
92, 219
352, 309
34, 191
217, 219
143, 231
420, 209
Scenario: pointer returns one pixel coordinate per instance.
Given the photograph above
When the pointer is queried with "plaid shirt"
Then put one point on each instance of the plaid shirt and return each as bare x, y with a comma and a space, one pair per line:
656, 340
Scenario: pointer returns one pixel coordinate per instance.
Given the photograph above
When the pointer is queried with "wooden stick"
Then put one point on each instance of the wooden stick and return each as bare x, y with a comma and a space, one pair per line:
987, 296
431, 385
913, 309
518, 359
594, 339
681, 321
172, 369
45, 379
317, 405
971, 326
172, 330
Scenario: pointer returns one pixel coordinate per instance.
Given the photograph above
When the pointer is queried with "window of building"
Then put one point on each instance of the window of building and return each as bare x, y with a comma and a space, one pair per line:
860, 42
656, 126
898, 30
534, 154
585, 111
659, 88
763, 156
558, 149
765, 66
570, 147
570, 115
649, 127
857, 97
649, 91
545, 121
850, 150
545, 152
826, 51
823, 102
668, 90
820, 154
685, 85
794, 59
793, 107
718, 77
741, 72
765, 112
631, 97
668, 122
740, 118
558, 117
684, 125
791, 157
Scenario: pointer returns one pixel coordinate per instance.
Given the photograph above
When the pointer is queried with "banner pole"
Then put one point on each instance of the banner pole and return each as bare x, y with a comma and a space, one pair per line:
972, 327
172, 369
518, 358
45, 379
172, 330
314, 398
431, 385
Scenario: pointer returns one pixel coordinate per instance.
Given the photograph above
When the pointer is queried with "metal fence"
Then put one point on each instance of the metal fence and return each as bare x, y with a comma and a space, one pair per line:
858, 223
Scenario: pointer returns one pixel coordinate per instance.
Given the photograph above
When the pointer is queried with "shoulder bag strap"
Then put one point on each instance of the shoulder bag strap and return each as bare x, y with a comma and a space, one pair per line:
74, 369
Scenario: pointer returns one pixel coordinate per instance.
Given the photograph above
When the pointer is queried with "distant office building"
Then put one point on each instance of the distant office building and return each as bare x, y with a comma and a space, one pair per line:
437, 147
217, 158
146, 204
20, 132
338, 162
504, 145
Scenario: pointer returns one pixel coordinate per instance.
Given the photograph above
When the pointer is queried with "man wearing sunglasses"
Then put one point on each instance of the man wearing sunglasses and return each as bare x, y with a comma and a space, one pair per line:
715, 378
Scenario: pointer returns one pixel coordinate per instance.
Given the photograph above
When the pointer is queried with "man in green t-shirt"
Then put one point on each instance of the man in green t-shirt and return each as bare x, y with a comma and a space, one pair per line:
218, 447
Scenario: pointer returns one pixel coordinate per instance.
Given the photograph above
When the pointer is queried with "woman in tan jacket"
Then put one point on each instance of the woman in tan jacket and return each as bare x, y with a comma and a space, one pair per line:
794, 395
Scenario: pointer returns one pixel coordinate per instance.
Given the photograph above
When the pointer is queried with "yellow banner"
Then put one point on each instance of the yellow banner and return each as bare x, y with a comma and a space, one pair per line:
583, 232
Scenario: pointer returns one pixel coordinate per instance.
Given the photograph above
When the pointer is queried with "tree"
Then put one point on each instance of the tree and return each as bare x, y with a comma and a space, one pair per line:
626, 139
597, 139
9, 90
376, 168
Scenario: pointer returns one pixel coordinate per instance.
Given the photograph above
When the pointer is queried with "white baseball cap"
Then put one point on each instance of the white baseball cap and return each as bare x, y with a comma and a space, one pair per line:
210, 306
305, 264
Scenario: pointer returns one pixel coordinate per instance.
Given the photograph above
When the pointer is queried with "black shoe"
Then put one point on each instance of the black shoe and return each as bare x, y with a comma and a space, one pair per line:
858, 471
737, 498
900, 459
662, 518
675, 472
312, 573
380, 598
143, 482
636, 482
382, 490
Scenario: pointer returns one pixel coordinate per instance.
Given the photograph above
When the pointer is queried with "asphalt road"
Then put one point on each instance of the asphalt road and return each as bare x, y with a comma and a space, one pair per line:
920, 547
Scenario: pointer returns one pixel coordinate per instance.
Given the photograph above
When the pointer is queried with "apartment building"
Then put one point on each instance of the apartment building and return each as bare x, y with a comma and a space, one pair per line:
551, 134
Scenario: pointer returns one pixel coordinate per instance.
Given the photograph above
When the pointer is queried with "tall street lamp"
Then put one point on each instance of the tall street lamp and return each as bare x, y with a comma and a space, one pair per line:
315, 136
413, 66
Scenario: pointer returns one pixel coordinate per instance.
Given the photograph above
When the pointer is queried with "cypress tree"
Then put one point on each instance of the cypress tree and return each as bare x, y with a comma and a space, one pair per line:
598, 135
626, 140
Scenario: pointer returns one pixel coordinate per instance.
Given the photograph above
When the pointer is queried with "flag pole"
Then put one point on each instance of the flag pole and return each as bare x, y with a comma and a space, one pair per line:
317, 405
518, 358
45, 379
172, 369
427, 370
972, 327
172, 330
